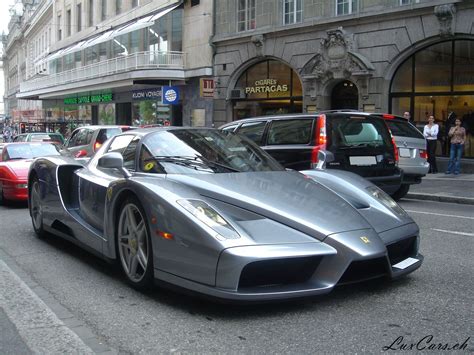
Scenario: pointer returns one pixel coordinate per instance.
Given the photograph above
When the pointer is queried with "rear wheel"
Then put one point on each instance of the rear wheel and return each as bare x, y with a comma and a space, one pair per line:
2, 200
401, 192
134, 244
36, 209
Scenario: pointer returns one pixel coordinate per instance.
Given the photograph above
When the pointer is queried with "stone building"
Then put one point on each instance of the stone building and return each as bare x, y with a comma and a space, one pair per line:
117, 61
283, 56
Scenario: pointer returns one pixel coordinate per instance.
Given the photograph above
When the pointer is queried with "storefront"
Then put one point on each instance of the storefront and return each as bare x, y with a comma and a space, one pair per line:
438, 80
267, 88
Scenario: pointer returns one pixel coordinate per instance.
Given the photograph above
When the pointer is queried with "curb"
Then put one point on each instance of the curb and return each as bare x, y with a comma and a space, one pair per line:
441, 198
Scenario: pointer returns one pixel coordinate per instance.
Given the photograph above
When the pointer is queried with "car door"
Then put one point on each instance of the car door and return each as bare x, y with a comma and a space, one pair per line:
78, 143
93, 184
289, 142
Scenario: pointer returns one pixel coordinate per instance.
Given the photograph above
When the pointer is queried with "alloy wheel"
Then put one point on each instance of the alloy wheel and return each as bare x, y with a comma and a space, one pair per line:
133, 242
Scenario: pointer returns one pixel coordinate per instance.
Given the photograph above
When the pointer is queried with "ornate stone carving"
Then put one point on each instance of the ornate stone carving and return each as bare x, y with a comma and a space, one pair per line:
258, 41
336, 59
445, 14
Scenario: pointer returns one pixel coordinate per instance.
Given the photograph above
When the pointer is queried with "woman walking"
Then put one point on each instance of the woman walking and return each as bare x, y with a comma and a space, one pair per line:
431, 134
458, 137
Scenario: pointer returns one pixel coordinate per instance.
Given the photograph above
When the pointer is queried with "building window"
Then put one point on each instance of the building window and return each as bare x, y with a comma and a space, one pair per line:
194, 3
293, 11
59, 28
68, 23
135, 3
408, 2
346, 7
104, 10
79, 17
246, 15
437, 80
91, 13
118, 6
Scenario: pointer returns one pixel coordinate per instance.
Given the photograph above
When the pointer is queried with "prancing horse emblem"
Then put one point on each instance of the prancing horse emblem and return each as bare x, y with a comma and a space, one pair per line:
365, 240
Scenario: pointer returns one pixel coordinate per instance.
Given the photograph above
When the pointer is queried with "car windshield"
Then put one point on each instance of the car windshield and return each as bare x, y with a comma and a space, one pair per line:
29, 151
193, 151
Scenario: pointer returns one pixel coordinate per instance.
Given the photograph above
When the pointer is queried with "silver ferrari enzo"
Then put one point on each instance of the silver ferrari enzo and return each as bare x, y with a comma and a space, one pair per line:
209, 211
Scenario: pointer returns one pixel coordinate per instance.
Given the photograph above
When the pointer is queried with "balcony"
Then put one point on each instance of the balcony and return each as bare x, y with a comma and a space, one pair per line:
122, 64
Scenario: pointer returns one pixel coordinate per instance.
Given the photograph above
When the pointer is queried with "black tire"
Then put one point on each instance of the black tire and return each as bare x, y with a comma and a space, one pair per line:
401, 192
131, 245
2, 199
35, 208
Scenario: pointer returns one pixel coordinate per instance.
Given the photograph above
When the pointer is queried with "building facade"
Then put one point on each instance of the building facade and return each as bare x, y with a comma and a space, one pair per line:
283, 56
118, 62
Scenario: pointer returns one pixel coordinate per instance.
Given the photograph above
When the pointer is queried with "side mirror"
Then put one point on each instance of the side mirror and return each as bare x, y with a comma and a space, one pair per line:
324, 156
113, 160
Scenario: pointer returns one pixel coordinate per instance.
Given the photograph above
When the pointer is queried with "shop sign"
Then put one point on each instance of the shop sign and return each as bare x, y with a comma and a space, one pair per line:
88, 99
170, 95
206, 88
147, 94
266, 86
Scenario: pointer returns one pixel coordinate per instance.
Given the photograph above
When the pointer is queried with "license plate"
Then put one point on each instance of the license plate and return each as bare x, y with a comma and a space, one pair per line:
368, 160
405, 263
404, 152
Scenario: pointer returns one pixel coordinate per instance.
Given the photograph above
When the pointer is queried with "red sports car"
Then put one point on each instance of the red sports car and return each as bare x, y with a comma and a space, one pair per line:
15, 160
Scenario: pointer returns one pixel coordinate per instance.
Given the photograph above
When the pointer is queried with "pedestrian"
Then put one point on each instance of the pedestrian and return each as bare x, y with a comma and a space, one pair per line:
430, 131
458, 138
407, 116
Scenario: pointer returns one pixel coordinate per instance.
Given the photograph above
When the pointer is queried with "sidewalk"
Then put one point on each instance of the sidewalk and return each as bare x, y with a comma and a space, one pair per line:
445, 188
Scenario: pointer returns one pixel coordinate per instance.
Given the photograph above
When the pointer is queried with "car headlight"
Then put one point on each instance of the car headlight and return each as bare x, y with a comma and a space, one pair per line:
210, 217
385, 199
22, 186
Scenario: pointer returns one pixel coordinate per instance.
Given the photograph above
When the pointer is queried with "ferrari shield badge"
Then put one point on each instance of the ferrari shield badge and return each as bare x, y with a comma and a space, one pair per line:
365, 240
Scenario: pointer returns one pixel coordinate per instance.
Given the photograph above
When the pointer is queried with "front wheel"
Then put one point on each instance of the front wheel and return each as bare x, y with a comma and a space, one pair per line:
36, 209
401, 192
134, 245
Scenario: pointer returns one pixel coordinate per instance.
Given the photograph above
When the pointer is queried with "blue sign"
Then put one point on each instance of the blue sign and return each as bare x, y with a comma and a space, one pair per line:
170, 95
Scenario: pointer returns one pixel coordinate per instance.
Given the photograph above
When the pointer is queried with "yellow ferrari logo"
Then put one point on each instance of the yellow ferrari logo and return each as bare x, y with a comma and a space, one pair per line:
149, 166
365, 240
109, 193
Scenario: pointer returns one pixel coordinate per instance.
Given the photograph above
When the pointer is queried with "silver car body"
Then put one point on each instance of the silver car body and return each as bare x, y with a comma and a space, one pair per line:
298, 233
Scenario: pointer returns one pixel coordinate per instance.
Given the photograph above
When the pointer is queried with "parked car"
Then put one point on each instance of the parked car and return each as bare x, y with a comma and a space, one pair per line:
361, 143
15, 160
85, 141
55, 138
411, 151
209, 211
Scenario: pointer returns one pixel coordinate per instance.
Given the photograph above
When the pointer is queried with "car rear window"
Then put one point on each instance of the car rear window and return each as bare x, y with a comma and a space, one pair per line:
47, 138
348, 131
403, 129
107, 133
296, 131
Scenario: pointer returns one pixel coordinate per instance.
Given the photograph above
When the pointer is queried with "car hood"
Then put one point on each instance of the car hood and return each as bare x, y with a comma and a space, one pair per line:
19, 168
289, 198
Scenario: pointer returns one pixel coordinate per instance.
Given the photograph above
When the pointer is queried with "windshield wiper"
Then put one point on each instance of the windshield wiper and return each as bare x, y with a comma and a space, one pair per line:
191, 161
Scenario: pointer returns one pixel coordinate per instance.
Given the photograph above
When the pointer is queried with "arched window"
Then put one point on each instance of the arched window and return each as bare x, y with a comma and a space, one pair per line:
437, 80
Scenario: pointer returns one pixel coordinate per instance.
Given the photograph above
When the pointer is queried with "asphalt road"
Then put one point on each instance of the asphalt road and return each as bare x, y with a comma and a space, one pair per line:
94, 301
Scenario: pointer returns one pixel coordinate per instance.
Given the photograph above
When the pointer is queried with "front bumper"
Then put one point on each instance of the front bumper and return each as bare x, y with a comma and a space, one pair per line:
12, 192
284, 271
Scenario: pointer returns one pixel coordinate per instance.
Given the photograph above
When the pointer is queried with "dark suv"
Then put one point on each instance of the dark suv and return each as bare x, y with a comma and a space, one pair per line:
361, 143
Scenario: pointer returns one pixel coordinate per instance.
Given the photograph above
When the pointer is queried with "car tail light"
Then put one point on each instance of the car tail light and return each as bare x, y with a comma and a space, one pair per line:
320, 139
388, 116
97, 145
395, 149
81, 153
423, 154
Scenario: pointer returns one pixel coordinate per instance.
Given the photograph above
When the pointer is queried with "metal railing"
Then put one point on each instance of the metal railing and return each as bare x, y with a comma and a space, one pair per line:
135, 61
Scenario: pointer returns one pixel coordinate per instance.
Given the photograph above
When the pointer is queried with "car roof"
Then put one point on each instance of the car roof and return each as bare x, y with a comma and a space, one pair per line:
297, 115
95, 127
